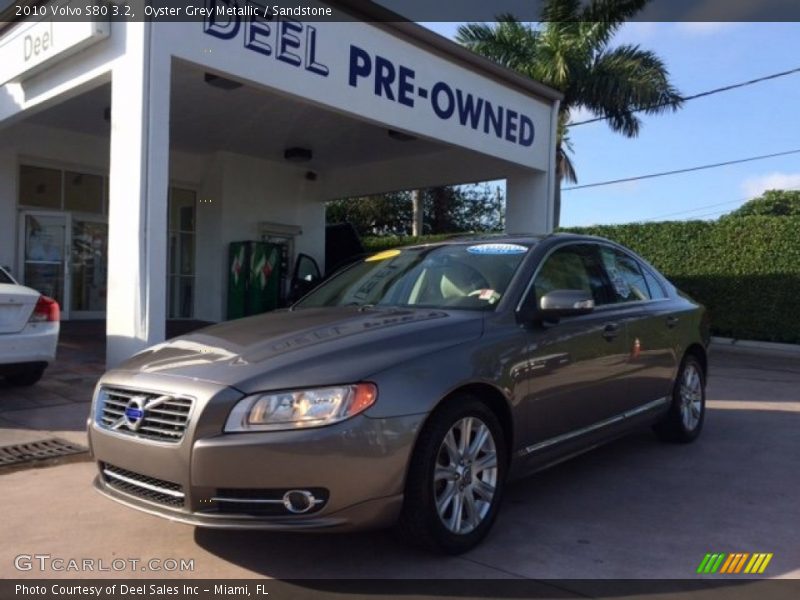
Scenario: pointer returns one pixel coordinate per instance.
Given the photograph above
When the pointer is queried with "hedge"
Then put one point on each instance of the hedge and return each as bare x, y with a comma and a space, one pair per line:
745, 270
376, 244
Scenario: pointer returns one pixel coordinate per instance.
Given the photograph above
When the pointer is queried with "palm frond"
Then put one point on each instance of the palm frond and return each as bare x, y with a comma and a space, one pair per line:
601, 19
565, 170
612, 11
507, 42
560, 11
625, 80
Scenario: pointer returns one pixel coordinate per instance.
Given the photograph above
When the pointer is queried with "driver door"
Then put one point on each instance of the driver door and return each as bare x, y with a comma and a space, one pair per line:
305, 278
575, 366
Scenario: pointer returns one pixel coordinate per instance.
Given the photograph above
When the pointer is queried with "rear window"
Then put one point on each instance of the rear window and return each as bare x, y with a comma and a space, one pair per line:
5, 277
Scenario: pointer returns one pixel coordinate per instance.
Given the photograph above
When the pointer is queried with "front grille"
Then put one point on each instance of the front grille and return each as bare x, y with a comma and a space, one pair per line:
144, 414
143, 486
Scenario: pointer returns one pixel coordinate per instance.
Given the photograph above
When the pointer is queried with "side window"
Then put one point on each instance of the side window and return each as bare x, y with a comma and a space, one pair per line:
626, 276
656, 289
571, 268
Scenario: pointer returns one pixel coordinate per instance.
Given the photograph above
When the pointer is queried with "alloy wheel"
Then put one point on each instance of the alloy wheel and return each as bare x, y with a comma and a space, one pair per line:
465, 475
691, 396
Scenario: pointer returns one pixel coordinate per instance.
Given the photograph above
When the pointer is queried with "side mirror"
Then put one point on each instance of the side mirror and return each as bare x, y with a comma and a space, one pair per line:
565, 303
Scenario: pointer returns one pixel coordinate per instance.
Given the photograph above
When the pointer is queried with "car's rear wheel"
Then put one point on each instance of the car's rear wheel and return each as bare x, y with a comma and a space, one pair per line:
456, 478
684, 421
26, 375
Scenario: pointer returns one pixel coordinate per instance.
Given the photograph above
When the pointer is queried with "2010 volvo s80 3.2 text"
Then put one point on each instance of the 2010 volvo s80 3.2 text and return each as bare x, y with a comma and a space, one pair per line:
407, 390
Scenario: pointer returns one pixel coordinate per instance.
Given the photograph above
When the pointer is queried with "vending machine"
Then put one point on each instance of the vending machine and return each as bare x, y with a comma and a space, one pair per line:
255, 278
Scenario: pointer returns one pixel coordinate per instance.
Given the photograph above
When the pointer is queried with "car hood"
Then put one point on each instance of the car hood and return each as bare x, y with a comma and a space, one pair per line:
319, 346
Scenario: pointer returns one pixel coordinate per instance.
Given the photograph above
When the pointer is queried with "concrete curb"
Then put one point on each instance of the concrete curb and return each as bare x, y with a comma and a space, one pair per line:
754, 346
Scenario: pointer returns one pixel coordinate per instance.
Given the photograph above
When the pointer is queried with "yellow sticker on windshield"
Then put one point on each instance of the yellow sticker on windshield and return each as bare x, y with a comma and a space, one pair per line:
382, 255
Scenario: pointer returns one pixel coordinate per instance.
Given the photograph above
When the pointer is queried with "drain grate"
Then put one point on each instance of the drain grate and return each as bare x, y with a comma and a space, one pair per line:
38, 453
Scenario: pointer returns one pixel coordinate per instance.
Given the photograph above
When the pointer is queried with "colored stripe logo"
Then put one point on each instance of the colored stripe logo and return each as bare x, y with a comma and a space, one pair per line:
735, 563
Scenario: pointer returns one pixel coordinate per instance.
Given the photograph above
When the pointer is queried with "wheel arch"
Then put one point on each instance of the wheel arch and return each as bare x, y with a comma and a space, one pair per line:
699, 352
494, 399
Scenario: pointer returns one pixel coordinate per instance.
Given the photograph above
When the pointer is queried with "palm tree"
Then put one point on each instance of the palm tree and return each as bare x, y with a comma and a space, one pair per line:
570, 51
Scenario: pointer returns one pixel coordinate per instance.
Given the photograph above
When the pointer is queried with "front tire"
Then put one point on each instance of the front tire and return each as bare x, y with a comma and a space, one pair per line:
684, 421
456, 478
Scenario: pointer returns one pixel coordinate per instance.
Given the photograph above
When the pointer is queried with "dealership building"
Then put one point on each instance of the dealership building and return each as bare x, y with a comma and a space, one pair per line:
132, 155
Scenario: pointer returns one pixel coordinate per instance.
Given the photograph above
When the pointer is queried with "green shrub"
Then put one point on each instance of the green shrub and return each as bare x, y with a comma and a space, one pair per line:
745, 270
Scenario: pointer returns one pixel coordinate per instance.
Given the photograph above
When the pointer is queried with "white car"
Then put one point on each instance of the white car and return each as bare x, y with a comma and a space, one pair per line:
29, 326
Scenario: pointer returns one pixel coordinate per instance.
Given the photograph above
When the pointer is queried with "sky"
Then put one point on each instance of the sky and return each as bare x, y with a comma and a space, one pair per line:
755, 120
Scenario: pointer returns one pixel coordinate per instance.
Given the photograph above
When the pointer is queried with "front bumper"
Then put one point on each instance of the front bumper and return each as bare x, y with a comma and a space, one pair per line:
356, 467
366, 515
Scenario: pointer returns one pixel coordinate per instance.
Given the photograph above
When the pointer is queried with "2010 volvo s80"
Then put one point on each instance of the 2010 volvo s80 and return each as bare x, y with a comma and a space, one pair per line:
407, 390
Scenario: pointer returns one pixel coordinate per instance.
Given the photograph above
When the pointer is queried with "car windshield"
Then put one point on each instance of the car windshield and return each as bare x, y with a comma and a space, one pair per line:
467, 276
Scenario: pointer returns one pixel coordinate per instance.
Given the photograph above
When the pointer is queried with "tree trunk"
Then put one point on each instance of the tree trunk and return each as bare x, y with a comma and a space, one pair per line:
416, 204
440, 219
557, 205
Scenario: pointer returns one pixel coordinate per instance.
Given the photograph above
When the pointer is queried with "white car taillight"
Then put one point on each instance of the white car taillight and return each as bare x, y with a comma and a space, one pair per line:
46, 310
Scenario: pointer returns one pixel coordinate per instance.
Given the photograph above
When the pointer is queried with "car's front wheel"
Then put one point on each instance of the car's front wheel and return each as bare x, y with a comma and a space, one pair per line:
686, 415
456, 478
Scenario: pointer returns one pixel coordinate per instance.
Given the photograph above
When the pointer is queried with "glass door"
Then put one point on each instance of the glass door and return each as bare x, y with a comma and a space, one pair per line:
88, 267
65, 256
180, 262
44, 245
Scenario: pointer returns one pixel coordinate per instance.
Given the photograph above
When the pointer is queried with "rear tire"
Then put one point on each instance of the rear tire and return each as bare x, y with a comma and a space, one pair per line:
26, 375
684, 420
456, 478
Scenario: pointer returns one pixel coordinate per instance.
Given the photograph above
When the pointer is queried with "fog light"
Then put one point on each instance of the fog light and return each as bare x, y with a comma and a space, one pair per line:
299, 501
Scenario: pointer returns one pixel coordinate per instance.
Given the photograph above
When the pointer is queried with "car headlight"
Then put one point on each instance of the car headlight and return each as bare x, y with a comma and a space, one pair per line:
300, 408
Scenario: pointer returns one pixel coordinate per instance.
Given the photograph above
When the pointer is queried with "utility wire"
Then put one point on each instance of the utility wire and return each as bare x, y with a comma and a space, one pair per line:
726, 88
704, 207
696, 209
678, 171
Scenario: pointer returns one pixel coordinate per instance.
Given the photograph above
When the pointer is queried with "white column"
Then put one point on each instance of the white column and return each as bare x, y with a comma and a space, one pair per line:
529, 203
8, 204
139, 178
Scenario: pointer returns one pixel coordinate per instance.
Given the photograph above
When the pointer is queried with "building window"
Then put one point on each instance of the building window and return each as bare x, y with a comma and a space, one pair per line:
40, 187
56, 189
83, 193
181, 253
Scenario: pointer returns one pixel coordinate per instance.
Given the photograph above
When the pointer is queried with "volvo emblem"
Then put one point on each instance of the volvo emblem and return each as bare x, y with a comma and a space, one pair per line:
134, 412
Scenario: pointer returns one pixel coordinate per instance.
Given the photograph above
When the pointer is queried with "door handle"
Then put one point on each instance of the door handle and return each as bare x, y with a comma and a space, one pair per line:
611, 331
672, 322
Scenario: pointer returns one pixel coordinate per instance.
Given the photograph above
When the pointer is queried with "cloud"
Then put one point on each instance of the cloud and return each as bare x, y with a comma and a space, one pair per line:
755, 186
705, 27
